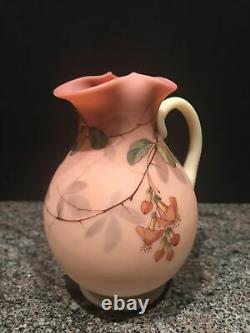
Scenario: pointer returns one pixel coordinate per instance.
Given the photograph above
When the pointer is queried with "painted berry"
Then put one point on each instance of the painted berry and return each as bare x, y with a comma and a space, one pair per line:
175, 239
170, 255
146, 206
159, 254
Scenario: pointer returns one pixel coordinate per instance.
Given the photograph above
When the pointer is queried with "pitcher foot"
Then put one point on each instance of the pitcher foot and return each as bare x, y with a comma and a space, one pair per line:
98, 299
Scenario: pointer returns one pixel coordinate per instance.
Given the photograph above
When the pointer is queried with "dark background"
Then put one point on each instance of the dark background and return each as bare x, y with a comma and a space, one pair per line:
203, 46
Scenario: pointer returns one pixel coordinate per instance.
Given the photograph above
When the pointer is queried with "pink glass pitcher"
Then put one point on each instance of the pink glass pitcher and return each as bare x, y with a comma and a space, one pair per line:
120, 214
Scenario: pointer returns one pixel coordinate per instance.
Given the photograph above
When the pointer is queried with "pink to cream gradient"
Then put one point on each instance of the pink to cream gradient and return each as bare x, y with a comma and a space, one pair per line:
103, 254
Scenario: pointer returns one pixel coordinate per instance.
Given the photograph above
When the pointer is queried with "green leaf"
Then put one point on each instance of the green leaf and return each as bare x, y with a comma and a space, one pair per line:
79, 140
98, 139
156, 198
166, 155
138, 150
140, 143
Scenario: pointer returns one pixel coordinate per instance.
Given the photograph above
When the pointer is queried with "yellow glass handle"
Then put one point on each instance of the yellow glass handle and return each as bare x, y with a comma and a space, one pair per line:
195, 134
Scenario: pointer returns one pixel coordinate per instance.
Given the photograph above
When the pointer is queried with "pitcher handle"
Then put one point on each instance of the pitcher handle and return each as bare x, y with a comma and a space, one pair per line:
195, 135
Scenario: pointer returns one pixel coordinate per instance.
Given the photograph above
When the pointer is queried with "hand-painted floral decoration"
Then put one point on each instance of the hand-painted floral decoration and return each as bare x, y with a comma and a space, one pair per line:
163, 220
164, 217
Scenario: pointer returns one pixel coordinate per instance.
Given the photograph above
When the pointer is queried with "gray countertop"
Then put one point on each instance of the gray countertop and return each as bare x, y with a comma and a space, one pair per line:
210, 294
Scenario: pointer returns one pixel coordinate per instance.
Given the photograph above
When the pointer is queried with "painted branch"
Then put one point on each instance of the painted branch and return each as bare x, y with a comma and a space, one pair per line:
130, 197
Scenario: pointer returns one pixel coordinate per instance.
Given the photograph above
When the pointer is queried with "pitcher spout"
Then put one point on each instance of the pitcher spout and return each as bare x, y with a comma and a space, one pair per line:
82, 92
123, 101
146, 91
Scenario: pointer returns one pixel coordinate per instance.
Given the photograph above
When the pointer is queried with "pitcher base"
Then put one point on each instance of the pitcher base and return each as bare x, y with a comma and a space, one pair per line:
97, 299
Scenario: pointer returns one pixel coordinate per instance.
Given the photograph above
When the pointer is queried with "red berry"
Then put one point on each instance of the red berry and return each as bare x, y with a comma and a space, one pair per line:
170, 255
159, 254
146, 206
175, 239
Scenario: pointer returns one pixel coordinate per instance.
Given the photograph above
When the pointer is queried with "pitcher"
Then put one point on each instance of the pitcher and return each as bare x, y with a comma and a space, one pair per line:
120, 214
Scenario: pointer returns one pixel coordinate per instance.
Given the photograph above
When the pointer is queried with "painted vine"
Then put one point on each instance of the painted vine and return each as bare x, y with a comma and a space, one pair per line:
163, 218
98, 139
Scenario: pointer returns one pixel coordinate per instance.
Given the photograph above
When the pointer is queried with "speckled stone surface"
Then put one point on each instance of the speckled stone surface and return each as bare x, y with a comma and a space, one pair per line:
210, 294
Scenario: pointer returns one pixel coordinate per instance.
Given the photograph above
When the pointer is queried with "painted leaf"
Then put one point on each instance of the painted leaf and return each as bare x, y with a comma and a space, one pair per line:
79, 140
98, 139
138, 150
76, 186
166, 155
59, 208
156, 198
